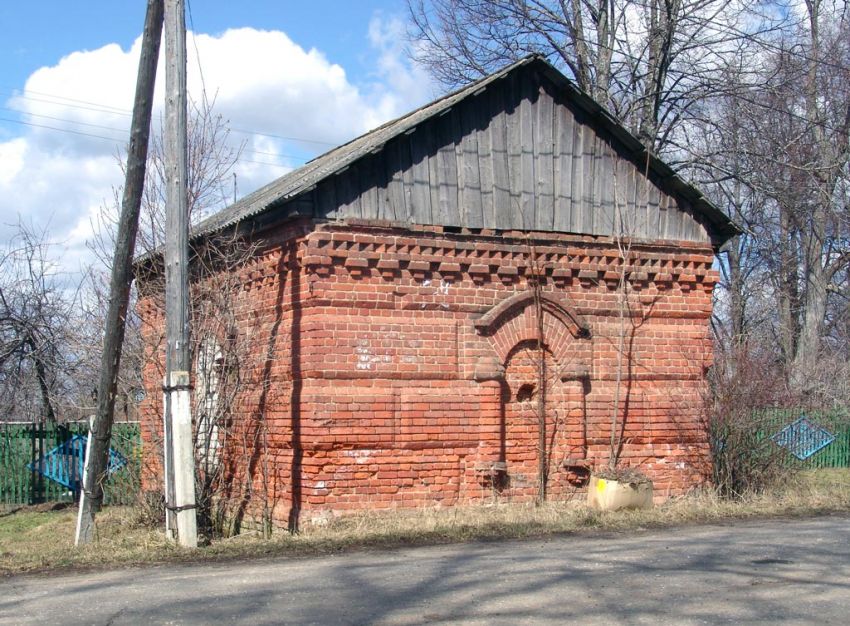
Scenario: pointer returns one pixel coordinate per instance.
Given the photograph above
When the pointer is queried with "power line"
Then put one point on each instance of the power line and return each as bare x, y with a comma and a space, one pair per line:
197, 52
15, 94
116, 139
111, 128
283, 137
62, 119
62, 130
98, 108
95, 107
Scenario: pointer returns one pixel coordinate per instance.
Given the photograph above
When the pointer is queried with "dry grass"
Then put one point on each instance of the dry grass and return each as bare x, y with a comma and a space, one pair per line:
33, 541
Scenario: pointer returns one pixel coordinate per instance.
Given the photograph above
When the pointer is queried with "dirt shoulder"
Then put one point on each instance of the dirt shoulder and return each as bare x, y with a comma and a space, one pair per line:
40, 540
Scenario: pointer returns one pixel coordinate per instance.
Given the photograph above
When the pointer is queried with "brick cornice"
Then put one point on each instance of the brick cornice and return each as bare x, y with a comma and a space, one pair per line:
591, 262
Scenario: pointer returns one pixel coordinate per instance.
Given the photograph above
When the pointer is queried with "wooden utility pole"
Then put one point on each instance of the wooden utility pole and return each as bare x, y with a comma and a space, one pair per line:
179, 452
100, 430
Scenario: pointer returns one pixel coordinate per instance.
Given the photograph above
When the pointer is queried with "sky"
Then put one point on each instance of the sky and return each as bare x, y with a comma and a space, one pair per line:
291, 78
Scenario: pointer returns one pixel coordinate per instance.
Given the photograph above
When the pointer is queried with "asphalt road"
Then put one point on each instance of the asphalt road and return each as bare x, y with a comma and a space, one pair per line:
788, 571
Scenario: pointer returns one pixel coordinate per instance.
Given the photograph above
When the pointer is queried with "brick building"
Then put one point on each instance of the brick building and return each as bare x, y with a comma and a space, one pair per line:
392, 305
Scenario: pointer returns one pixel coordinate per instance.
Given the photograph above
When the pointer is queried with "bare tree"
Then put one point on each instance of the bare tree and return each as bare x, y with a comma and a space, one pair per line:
212, 158
814, 196
783, 165
650, 62
40, 349
211, 161
719, 159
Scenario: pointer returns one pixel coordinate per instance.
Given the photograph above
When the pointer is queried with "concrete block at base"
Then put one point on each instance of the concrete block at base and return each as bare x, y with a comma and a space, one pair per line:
612, 495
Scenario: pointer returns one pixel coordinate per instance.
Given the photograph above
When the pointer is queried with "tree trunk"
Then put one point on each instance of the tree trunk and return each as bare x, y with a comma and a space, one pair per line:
788, 290
605, 50
808, 344
736, 291
48, 414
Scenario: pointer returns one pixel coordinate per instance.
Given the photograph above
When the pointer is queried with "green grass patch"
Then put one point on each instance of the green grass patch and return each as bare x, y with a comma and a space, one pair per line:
13, 526
32, 541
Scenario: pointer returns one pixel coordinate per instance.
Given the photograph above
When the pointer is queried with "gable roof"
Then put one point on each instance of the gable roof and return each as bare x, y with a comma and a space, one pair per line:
305, 178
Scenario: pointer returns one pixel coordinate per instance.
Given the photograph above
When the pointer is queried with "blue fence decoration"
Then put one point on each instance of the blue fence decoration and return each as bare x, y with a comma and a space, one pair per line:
64, 463
803, 438
24, 447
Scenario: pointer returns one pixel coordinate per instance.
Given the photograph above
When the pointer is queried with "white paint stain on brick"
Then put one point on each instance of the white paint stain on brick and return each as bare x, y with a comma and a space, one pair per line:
359, 456
365, 358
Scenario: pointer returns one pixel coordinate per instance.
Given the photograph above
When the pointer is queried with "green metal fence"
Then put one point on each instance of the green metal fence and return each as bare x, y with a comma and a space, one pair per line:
22, 444
834, 420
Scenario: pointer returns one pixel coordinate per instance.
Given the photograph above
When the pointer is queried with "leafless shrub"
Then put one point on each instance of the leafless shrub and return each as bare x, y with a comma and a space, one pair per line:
223, 375
222, 362
744, 460
150, 509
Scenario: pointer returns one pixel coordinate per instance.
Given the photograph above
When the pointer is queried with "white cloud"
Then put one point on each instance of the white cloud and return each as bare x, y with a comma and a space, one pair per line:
278, 87
409, 84
262, 81
11, 159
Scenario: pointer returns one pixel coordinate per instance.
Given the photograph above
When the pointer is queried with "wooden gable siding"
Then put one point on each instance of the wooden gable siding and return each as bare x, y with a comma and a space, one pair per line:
516, 156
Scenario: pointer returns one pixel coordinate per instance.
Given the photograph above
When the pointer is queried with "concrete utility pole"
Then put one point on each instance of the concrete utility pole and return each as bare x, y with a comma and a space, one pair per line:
100, 430
179, 452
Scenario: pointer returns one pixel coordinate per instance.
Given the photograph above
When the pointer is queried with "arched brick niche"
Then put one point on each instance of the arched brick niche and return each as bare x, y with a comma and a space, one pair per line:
509, 438
566, 335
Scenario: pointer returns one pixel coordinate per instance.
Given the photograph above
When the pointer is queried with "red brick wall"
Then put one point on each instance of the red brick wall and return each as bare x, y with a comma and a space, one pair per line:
375, 388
